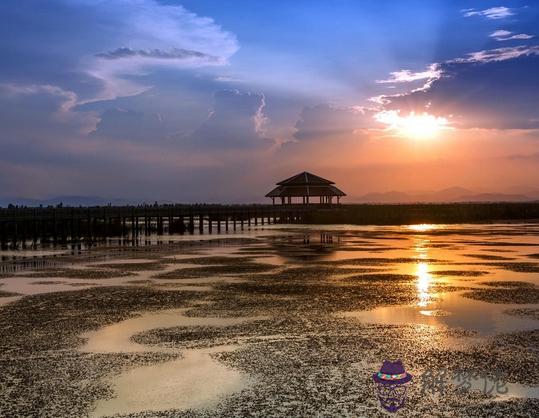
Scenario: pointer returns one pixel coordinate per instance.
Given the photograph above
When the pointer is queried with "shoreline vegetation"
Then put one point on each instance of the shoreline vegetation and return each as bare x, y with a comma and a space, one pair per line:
418, 213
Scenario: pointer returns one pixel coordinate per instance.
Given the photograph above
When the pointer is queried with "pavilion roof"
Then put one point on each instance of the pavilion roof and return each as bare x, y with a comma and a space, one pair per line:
305, 184
305, 178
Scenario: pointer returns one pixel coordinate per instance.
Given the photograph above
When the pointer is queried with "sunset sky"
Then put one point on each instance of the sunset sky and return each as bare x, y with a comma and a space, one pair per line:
212, 100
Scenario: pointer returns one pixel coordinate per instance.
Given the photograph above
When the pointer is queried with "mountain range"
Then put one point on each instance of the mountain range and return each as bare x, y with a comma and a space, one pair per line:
452, 194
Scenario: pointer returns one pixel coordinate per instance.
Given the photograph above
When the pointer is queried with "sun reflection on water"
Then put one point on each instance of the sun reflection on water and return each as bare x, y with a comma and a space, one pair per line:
424, 281
422, 227
422, 271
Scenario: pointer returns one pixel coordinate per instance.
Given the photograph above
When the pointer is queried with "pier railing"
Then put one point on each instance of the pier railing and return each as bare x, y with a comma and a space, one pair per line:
63, 224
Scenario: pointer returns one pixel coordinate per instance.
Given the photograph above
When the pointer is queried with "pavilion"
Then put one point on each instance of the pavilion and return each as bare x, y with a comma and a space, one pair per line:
306, 186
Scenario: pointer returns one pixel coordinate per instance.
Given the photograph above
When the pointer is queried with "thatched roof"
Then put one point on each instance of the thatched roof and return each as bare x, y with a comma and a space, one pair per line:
305, 184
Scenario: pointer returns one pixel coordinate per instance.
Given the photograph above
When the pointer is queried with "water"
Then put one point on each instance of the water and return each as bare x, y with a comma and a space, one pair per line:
433, 256
450, 310
195, 380
116, 338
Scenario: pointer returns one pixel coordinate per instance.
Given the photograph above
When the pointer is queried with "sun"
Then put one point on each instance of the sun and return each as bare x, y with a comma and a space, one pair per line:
413, 125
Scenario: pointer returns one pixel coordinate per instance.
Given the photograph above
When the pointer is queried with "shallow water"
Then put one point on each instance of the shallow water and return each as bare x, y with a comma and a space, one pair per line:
195, 380
453, 311
433, 256
116, 338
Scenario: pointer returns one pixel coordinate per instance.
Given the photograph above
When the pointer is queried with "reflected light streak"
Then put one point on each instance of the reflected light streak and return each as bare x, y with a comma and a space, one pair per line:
424, 281
422, 227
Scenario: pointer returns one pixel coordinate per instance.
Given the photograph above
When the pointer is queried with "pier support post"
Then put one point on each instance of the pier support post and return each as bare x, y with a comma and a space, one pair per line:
191, 224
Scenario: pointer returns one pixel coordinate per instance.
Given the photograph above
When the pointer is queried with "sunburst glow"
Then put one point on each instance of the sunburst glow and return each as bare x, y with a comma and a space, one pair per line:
419, 126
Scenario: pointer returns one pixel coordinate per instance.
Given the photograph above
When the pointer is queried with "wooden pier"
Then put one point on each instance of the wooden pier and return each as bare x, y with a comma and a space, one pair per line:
23, 226
71, 224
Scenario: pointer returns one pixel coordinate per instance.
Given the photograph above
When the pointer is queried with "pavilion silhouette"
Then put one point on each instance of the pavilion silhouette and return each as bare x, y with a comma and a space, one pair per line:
306, 185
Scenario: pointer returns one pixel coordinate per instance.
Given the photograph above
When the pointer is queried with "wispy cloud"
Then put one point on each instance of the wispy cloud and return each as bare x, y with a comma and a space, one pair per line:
498, 54
172, 54
405, 76
500, 33
153, 34
505, 35
499, 12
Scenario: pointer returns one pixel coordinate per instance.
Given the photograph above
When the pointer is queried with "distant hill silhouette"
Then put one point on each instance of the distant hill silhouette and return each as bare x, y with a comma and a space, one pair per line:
452, 194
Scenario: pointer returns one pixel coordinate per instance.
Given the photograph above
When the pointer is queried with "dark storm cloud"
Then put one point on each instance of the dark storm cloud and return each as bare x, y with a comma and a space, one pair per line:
172, 54
487, 89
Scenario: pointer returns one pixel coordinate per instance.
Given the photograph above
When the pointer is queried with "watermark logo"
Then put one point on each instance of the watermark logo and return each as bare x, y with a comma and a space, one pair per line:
436, 382
391, 385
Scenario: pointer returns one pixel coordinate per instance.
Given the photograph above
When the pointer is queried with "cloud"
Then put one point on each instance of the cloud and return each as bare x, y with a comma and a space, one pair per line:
404, 76
412, 125
498, 54
525, 157
500, 33
172, 54
153, 35
106, 49
487, 89
130, 125
327, 121
39, 112
499, 12
505, 35
237, 120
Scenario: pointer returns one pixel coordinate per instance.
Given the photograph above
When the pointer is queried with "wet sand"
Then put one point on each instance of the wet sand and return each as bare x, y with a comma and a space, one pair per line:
282, 321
